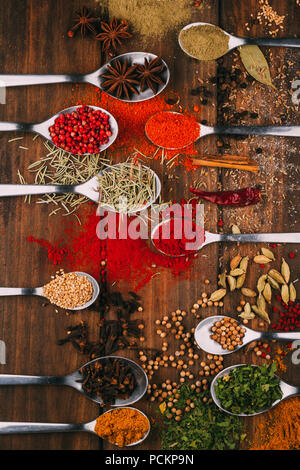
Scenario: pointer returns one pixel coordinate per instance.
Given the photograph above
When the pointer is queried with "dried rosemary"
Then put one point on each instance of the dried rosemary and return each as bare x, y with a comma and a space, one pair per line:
60, 167
126, 187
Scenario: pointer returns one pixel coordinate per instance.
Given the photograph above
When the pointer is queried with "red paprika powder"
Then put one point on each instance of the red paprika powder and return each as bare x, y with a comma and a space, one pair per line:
125, 260
174, 238
172, 130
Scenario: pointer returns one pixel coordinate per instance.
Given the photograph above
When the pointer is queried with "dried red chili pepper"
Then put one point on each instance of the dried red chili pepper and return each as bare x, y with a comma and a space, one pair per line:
240, 198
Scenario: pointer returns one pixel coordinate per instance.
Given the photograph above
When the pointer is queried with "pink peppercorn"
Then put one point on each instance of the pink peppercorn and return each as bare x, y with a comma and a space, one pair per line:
82, 131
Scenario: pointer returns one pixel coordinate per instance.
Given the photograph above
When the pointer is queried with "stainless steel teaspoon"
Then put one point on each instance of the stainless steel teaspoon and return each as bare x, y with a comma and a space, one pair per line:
204, 341
10, 291
88, 189
93, 78
42, 128
73, 380
283, 131
27, 428
239, 237
288, 391
235, 41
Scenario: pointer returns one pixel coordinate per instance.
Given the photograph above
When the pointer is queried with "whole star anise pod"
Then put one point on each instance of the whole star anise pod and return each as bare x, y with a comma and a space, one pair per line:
113, 33
120, 79
84, 20
149, 74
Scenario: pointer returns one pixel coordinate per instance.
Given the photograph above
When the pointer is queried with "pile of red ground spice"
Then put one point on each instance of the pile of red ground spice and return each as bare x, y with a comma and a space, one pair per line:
126, 260
289, 316
82, 131
172, 130
132, 119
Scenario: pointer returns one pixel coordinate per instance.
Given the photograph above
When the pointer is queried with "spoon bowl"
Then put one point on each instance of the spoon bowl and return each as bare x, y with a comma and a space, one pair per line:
10, 291
93, 424
155, 230
235, 41
135, 58
73, 380
94, 78
204, 341
287, 391
42, 128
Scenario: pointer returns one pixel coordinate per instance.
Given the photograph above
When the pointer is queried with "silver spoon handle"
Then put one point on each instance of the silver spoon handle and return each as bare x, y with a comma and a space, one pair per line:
281, 42
16, 126
260, 237
32, 189
284, 131
8, 291
12, 379
11, 80
289, 336
25, 428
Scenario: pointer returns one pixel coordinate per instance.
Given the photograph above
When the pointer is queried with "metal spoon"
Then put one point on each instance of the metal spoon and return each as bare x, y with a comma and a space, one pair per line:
72, 380
27, 428
93, 78
9, 291
42, 128
88, 189
235, 41
287, 391
204, 341
239, 237
284, 131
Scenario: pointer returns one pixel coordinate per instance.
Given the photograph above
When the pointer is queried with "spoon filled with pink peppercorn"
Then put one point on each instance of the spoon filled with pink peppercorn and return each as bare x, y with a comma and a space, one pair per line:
79, 130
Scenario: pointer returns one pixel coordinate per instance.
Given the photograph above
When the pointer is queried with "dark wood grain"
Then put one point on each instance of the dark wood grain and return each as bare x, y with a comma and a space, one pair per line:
33, 40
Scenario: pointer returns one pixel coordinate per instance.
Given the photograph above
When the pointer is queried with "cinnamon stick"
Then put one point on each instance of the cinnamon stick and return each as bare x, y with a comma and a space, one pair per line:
234, 163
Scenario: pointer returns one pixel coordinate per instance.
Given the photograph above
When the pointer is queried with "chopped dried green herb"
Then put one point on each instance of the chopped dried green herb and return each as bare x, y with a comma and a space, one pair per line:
203, 427
249, 389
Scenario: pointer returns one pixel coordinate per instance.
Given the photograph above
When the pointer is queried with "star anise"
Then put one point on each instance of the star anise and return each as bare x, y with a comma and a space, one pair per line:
149, 74
120, 79
84, 20
113, 33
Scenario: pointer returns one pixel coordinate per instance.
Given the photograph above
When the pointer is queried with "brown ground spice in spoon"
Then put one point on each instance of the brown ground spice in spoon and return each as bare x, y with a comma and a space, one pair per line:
204, 42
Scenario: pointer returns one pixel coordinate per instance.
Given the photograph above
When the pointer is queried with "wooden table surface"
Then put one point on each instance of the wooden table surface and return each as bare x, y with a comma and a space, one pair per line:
33, 40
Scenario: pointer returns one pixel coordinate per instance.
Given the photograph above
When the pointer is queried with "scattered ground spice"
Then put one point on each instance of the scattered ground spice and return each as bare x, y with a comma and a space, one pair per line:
131, 261
278, 429
162, 16
137, 114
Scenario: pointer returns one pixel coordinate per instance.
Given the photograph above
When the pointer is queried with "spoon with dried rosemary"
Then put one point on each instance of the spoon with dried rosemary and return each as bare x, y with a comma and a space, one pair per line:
91, 427
43, 128
205, 41
95, 78
94, 380
208, 327
125, 187
173, 131
71, 291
